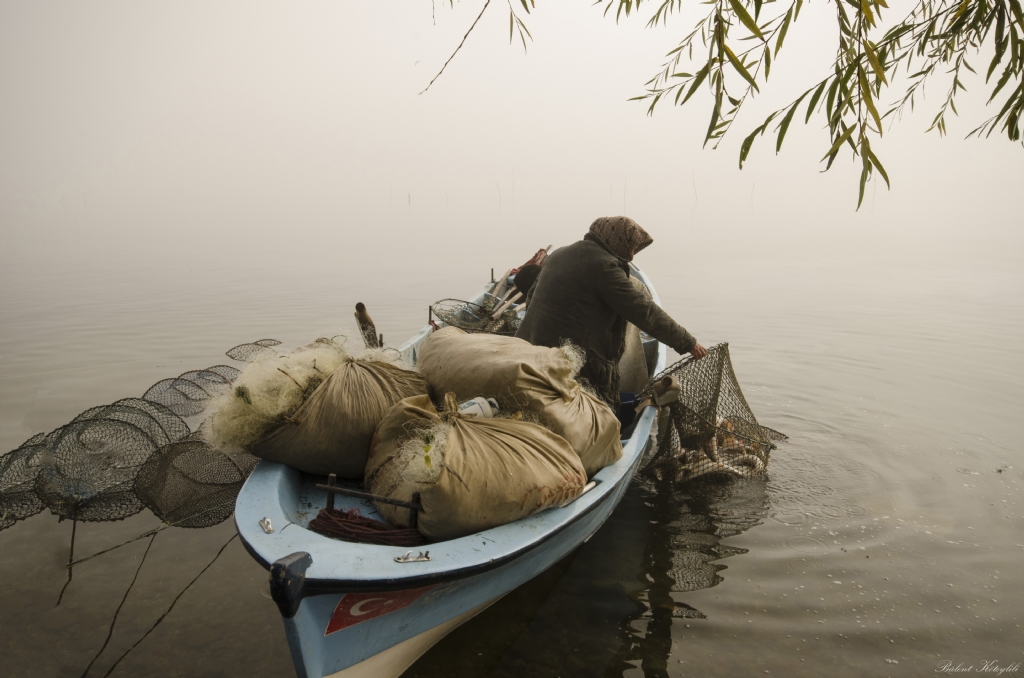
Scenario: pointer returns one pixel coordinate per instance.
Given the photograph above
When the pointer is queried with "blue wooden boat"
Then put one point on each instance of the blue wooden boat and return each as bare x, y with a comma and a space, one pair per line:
360, 610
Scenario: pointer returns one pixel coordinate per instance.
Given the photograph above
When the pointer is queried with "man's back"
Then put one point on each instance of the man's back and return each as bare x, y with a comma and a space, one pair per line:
567, 301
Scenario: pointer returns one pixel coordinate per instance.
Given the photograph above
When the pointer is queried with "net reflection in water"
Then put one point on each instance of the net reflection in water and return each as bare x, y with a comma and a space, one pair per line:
683, 554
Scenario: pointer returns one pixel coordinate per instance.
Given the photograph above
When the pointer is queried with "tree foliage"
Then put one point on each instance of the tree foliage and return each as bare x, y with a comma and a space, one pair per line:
735, 42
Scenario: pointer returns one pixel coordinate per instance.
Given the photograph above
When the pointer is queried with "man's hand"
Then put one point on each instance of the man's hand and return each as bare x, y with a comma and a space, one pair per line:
698, 351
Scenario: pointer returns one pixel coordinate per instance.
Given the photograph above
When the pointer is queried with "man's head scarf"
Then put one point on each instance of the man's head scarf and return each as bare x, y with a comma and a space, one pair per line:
621, 235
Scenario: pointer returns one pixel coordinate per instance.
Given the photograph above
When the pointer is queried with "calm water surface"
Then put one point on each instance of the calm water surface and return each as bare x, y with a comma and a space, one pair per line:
887, 537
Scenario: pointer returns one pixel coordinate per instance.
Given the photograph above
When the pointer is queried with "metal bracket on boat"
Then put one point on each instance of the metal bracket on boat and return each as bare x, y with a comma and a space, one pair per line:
414, 506
421, 557
287, 579
266, 525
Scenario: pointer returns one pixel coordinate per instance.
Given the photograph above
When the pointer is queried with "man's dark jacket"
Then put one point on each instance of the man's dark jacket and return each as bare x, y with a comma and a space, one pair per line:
584, 295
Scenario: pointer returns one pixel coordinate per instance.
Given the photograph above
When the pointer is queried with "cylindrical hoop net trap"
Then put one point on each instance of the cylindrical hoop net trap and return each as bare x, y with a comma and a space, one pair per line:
710, 429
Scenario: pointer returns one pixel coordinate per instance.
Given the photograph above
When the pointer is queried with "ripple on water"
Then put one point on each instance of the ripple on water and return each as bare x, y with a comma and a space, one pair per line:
832, 511
844, 495
809, 545
264, 589
694, 540
861, 472
856, 511
804, 490
968, 439
689, 522
788, 518
802, 565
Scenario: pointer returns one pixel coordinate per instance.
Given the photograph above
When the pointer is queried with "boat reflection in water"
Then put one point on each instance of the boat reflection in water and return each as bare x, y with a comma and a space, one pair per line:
609, 607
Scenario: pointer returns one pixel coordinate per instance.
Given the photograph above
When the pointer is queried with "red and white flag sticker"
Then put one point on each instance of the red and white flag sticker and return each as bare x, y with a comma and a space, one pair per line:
354, 608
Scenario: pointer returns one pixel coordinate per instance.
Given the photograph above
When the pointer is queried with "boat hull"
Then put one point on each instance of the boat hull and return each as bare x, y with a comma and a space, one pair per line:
332, 632
358, 610
395, 660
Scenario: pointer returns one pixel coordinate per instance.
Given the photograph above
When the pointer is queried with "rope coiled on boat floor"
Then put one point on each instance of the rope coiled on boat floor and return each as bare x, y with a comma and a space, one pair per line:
350, 526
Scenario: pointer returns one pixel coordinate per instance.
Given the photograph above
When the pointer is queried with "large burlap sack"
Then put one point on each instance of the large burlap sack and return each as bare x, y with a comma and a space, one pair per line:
471, 474
633, 374
331, 431
528, 378
267, 391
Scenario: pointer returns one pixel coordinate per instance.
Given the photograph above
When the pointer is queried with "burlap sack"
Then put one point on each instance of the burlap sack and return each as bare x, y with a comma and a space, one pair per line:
471, 473
331, 431
521, 376
633, 375
267, 391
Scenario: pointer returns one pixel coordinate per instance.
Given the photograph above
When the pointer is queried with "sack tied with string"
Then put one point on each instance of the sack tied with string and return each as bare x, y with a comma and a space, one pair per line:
331, 431
315, 408
271, 388
522, 377
472, 474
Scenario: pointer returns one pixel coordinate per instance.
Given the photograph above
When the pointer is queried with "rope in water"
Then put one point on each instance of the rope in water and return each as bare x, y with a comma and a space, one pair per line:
173, 603
350, 526
149, 532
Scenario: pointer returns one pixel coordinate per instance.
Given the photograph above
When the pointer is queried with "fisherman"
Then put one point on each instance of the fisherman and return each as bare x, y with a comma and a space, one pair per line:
584, 295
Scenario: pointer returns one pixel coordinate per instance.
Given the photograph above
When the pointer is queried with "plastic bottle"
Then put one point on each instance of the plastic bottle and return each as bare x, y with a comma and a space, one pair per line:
479, 407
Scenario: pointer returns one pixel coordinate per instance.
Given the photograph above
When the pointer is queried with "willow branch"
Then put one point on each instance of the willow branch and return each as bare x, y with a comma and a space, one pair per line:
459, 47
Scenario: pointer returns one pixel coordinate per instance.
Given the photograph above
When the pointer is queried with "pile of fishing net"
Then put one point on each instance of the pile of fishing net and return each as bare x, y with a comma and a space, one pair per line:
469, 316
708, 427
270, 389
315, 409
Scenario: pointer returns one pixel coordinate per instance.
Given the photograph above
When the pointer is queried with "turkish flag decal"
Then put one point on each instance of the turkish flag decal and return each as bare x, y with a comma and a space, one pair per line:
354, 608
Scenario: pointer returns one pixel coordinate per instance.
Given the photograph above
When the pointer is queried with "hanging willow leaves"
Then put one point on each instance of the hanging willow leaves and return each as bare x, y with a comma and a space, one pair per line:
784, 125
740, 68
933, 39
783, 30
839, 142
745, 18
875, 63
814, 100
